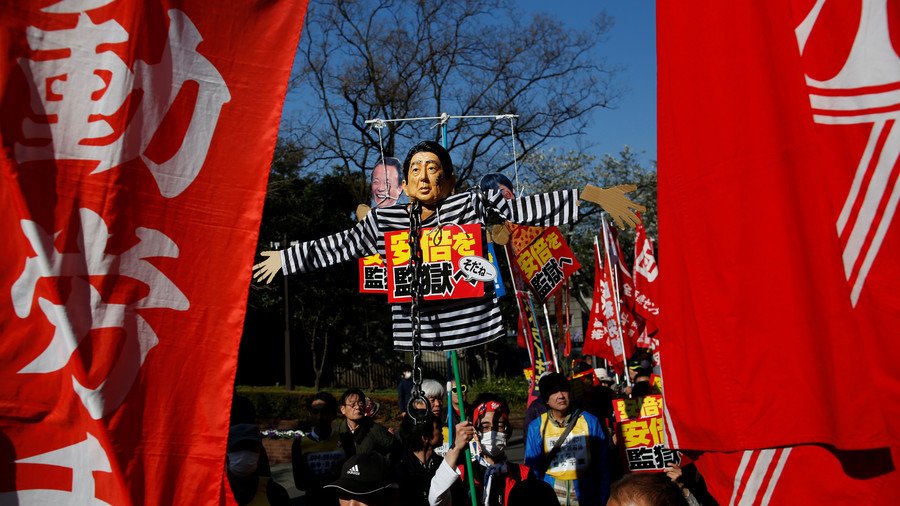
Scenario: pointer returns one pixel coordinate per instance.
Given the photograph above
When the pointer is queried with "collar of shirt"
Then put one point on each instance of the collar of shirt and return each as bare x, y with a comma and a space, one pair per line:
562, 424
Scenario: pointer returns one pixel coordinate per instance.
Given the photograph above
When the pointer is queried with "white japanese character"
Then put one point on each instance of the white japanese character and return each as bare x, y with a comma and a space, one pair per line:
76, 96
84, 310
82, 458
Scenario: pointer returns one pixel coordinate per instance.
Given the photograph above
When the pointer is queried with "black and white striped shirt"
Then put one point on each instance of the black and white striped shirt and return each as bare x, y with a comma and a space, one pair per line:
446, 325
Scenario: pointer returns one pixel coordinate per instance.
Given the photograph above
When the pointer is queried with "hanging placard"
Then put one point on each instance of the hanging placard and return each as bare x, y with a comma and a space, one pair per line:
372, 274
442, 250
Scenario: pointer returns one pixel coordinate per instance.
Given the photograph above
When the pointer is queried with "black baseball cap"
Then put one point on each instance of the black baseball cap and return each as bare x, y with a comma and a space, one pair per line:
363, 474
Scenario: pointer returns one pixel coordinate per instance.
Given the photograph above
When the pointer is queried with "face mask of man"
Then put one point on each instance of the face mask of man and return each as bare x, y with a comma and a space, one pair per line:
243, 463
493, 443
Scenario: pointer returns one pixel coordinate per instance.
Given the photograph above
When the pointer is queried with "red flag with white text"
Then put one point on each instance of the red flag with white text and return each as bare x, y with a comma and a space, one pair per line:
622, 285
599, 341
778, 188
137, 142
646, 272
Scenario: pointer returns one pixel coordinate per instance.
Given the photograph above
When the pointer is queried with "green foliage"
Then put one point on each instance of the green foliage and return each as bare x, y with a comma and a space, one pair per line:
514, 389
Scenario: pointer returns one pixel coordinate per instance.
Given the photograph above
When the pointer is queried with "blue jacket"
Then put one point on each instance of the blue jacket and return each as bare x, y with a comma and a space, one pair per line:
583, 458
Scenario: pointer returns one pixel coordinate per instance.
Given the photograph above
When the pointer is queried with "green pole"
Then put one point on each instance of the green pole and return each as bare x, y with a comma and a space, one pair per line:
462, 416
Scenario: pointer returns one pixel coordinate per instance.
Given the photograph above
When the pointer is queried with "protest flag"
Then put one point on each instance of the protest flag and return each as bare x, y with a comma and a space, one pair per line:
600, 338
137, 138
646, 271
778, 188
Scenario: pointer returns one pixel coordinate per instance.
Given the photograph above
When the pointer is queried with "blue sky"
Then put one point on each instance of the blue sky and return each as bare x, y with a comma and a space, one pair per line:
631, 44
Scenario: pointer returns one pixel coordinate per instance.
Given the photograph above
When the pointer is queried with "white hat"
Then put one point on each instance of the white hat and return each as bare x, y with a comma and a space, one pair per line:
603, 375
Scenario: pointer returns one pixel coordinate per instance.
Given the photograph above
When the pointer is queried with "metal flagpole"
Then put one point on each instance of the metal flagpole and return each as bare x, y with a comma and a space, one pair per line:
614, 289
550, 336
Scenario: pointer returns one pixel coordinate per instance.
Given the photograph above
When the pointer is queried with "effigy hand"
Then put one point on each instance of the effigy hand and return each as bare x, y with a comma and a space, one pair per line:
499, 234
266, 270
361, 211
614, 202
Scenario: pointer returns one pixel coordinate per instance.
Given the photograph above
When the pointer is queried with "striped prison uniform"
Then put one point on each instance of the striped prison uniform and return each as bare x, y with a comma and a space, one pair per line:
446, 324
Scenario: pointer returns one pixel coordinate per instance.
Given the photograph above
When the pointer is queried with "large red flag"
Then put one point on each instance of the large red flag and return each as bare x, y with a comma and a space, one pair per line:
137, 137
778, 186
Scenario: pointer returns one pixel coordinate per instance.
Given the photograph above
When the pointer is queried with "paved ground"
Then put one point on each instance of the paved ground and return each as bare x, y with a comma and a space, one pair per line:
282, 472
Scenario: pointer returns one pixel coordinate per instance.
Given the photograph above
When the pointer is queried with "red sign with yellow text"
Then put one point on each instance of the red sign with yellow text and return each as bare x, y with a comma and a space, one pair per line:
442, 250
546, 263
372, 274
641, 428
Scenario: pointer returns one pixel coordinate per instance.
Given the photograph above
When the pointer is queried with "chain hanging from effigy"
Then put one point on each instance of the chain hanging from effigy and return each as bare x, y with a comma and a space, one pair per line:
415, 263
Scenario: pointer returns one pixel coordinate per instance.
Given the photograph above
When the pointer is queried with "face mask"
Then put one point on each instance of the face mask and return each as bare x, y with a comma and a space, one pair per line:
243, 463
493, 443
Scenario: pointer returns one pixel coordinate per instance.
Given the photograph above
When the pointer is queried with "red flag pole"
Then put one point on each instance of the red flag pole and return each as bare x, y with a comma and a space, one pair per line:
614, 280
518, 302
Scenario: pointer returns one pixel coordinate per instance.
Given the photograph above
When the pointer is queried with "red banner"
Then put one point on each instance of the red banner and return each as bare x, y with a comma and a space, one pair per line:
442, 251
757, 223
137, 139
646, 271
778, 186
599, 341
547, 263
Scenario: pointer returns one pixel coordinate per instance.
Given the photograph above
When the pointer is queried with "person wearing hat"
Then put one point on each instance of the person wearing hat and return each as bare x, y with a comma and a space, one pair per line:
494, 475
430, 183
365, 480
316, 457
567, 447
247, 468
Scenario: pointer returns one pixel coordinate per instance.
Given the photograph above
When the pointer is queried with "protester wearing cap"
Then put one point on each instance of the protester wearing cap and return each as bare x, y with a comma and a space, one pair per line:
495, 477
365, 480
247, 468
567, 447
316, 457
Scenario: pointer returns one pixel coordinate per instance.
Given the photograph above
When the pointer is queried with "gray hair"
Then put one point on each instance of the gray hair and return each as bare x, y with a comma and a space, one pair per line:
431, 388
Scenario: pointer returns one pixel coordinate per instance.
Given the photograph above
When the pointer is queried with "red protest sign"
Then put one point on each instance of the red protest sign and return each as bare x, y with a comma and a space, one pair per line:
372, 274
546, 263
641, 428
442, 250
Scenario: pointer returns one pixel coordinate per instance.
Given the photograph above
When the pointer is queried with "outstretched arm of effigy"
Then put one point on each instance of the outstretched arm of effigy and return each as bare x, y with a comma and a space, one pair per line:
614, 202
357, 242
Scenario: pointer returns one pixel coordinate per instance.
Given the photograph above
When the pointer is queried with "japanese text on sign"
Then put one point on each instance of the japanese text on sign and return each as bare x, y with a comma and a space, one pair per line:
442, 250
642, 429
546, 263
372, 274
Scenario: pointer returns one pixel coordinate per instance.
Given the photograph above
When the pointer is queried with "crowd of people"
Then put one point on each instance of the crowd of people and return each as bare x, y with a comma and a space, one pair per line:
570, 457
